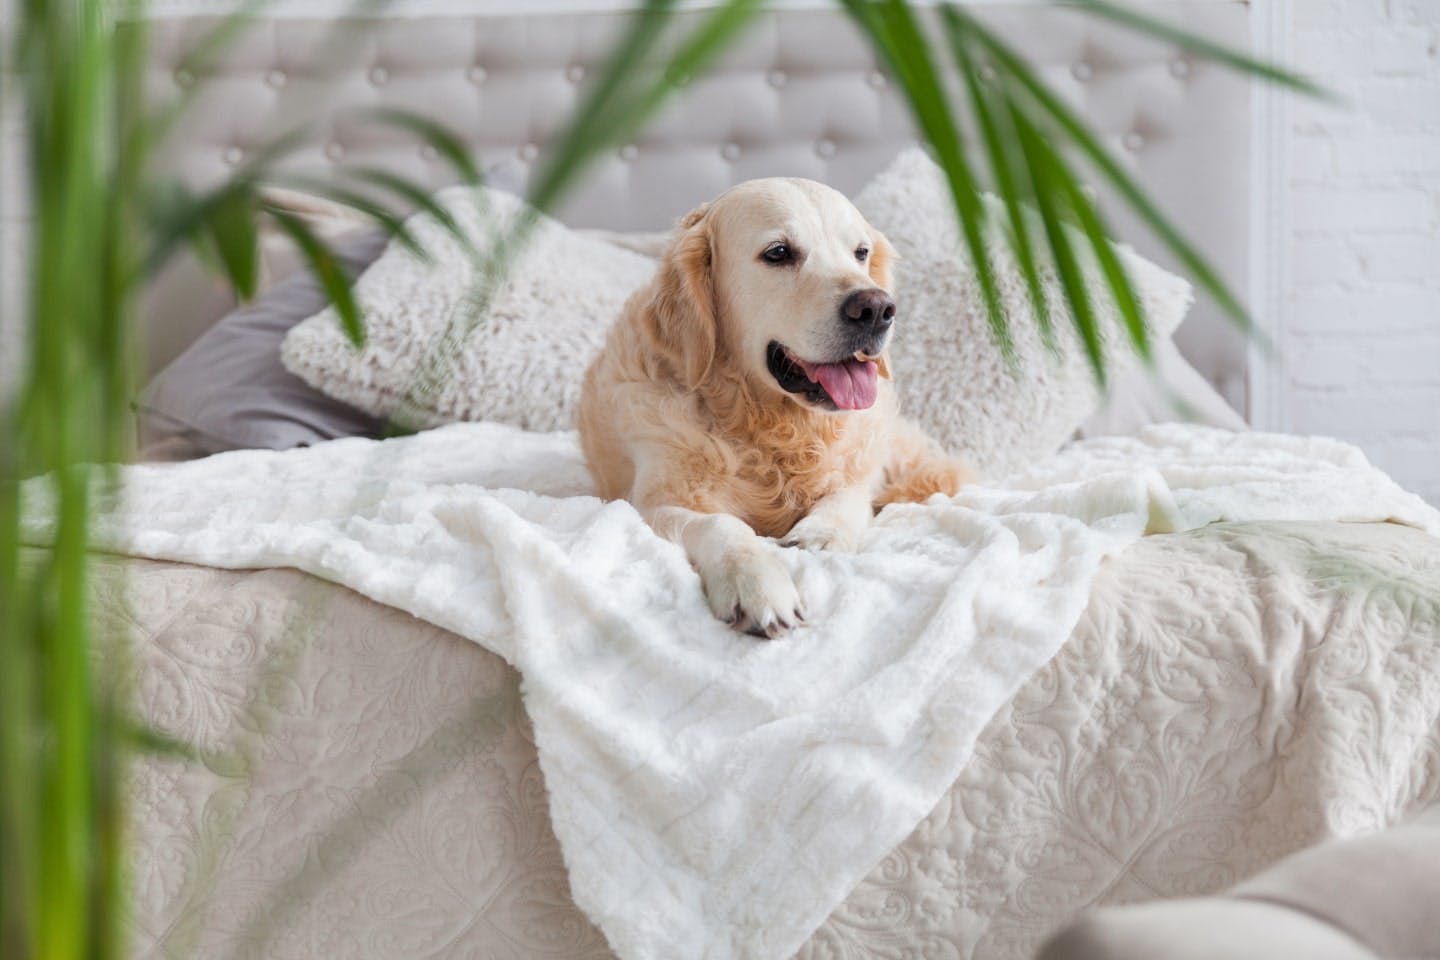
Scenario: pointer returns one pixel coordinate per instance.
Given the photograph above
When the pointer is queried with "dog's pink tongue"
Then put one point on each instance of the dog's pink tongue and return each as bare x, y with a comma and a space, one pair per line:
852, 384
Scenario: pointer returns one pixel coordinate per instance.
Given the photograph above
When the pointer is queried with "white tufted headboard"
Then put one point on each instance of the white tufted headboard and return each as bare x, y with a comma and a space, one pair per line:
800, 96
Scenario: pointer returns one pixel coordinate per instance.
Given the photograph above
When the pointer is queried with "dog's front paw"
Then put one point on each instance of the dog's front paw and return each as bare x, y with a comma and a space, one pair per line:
754, 592
819, 533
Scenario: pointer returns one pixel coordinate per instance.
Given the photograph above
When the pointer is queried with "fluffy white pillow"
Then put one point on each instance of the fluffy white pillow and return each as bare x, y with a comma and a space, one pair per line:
950, 373
522, 361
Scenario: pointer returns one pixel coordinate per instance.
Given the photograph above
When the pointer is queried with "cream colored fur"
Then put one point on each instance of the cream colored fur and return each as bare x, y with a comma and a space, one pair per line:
680, 415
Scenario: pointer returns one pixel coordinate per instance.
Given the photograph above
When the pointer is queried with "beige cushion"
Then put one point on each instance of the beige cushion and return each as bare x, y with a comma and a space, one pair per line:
1356, 899
1202, 929
1383, 888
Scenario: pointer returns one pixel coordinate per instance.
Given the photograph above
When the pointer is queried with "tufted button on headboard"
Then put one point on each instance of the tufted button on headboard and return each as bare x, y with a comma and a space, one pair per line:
802, 95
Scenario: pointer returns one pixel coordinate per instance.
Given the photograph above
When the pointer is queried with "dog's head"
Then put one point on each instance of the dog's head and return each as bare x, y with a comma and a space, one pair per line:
785, 280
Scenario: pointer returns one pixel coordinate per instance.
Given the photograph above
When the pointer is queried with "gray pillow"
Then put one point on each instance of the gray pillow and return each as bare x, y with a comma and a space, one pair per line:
229, 391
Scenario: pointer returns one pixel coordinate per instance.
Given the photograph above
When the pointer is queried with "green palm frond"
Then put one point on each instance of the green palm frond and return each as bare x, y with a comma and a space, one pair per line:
176, 215
235, 236
411, 193
1050, 195
623, 97
587, 132
327, 270
1012, 179
441, 138
1044, 108
1205, 48
390, 219
892, 28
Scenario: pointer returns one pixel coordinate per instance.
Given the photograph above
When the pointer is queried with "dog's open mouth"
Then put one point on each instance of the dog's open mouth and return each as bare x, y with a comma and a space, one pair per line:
849, 384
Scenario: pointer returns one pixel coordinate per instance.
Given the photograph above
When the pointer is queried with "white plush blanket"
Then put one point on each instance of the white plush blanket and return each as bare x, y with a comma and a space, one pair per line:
715, 796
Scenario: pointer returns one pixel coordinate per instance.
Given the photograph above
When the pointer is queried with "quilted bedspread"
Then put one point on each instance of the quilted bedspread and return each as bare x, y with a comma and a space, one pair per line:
711, 796
1230, 695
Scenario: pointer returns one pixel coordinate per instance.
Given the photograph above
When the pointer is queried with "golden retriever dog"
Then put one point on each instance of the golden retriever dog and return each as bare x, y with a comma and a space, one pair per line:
745, 394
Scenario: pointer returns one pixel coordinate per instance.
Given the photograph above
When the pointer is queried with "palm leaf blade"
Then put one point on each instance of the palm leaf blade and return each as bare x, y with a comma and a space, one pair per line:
415, 195
893, 32
436, 135
1133, 194
327, 270
392, 223
1007, 182
1072, 281
176, 216
580, 138
179, 217
615, 111
1205, 47
1093, 225
231, 228
707, 41
1121, 287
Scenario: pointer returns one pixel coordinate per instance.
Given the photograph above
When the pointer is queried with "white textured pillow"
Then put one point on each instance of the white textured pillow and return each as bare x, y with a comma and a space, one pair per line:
524, 358
950, 373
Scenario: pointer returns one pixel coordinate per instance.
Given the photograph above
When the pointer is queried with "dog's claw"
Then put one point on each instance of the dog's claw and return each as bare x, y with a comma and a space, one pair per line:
815, 533
752, 593
771, 627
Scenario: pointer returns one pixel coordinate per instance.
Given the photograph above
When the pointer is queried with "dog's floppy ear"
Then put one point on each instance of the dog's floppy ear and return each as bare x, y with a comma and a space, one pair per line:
682, 310
694, 217
882, 255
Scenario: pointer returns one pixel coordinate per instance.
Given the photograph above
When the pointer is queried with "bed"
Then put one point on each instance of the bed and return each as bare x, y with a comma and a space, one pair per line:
369, 783
393, 779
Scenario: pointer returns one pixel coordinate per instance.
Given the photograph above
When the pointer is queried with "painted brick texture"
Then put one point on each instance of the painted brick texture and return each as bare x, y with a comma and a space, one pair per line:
1361, 324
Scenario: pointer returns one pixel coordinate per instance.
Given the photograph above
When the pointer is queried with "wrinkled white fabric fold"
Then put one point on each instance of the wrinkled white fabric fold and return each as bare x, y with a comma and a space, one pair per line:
716, 796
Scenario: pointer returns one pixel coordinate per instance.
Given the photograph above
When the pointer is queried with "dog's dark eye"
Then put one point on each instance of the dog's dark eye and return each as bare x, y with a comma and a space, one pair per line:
862, 253
778, 253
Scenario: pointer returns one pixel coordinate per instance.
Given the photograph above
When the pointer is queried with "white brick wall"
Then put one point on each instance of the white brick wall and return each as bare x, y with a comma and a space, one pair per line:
1360, 312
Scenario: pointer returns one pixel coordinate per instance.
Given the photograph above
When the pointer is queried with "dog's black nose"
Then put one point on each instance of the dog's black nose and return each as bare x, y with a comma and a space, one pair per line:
869, 308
